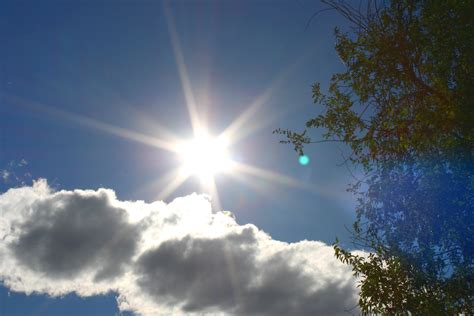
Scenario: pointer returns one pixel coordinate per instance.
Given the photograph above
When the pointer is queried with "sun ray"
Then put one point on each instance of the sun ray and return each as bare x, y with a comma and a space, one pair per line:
271, 176
244, 179
180, 177
235, 130
142, 119
95, 124
182, 70
212, 187
154, 187
210, 184
152, 127
234, 280
196, 163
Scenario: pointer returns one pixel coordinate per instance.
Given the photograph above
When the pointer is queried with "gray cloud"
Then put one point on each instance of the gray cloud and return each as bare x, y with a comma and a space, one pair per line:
69, 233
199, 273
224, 274
162, 258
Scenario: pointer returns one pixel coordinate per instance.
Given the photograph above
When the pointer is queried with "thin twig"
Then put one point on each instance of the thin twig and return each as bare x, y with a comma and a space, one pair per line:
315, 14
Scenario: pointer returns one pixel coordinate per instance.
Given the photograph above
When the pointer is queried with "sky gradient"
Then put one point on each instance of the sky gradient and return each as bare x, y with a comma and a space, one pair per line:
73, 75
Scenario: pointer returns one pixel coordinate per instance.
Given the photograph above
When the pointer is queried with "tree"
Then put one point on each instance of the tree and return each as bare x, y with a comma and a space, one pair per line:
404, 106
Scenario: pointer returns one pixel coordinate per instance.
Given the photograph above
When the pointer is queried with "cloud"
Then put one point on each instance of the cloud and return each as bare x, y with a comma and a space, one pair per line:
5, 174
14, 173
72, 232
162, 258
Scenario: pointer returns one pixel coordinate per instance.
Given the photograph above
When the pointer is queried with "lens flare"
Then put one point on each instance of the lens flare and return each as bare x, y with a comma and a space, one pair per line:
303, 160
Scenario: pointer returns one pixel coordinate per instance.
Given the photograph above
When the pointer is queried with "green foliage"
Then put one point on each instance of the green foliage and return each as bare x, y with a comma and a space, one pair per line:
391, 287
404, 106
408, 83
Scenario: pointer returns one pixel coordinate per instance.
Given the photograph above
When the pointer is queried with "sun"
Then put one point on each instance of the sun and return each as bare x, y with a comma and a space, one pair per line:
205, 156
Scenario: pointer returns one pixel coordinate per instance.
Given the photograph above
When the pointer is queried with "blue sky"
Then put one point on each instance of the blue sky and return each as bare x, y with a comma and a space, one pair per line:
114, 62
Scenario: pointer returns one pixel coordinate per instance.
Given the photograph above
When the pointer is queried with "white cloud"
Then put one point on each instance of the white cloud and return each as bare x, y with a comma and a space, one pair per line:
162, 258
5, 174
14, 174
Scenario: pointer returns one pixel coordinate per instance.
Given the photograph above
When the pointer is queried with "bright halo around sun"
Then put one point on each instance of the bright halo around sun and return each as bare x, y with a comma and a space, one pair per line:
205, 156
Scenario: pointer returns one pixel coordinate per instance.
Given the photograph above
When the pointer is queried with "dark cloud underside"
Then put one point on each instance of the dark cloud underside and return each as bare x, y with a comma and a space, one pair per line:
162, 259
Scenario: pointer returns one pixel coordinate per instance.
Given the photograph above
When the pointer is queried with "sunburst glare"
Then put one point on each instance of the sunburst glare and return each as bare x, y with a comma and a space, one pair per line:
204, 156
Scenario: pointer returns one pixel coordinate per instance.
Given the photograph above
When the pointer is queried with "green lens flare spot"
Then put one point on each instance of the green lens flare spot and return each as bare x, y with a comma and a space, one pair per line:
304, 160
